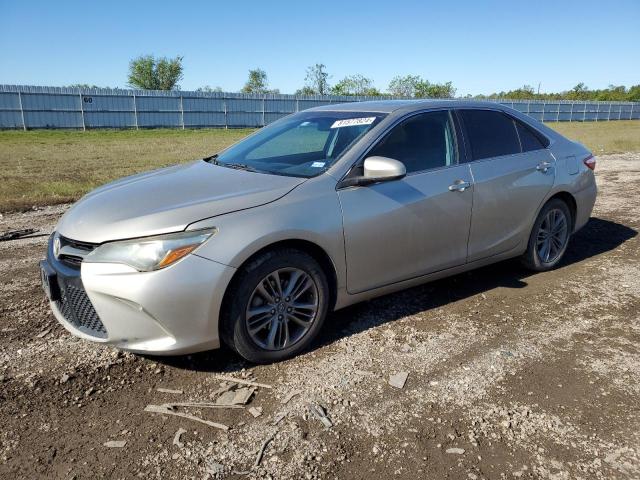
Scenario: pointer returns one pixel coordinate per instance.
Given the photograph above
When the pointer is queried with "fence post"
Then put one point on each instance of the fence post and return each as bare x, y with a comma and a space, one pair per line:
571, 114
609, 113
226, 124
263, 108
584, 112
84, 127
620, 112
297, 104
24, 125
631, 112
597, 111
528, 107
135, 111
558, 112
181, 113
544, 108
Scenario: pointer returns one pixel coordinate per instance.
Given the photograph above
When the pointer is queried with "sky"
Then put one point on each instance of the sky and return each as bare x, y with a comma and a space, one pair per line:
480, 46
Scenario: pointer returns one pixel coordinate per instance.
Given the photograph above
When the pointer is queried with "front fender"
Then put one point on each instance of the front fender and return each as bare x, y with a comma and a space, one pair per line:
311, 213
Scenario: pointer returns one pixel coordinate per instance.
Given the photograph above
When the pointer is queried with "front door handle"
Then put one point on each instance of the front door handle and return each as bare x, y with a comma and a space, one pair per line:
543, 167
459, 186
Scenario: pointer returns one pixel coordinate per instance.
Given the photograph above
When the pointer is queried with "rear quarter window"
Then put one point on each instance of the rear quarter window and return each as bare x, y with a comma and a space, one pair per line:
528, 139
490, 133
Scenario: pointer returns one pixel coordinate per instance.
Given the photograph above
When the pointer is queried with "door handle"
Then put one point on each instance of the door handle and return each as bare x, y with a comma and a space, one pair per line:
543, 167
459, 186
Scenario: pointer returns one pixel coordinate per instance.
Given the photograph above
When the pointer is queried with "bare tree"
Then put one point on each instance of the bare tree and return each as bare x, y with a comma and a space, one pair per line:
317, 79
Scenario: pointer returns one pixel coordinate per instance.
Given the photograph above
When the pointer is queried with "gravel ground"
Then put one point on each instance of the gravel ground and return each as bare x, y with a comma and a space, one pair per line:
510, 375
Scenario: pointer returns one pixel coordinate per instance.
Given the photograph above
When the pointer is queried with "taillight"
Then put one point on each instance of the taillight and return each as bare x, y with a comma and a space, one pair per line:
590, 162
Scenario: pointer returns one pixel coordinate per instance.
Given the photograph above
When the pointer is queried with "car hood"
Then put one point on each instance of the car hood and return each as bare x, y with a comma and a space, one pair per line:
167, 200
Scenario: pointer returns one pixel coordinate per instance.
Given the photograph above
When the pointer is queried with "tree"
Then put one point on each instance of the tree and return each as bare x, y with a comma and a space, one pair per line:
426, 89
209, 89
149, 73
257, 82
525, 92
317, 79
633, 94
414, 86
83, 85
579, 92
355, 85
404, 86
306, 90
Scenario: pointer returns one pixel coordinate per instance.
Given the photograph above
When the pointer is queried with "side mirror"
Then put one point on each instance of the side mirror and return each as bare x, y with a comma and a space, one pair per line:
376, 169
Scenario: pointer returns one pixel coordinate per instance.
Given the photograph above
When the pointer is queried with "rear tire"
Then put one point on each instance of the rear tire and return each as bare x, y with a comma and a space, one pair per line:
549, 237
276, 306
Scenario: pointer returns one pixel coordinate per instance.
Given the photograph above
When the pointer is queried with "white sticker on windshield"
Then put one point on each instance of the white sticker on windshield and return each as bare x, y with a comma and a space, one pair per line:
352, 122
317, 164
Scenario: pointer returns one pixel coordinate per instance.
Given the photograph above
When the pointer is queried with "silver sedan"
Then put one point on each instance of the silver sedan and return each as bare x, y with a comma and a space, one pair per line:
254, 246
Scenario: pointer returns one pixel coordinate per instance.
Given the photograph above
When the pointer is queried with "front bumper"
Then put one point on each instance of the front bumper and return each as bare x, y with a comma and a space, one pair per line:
170, 311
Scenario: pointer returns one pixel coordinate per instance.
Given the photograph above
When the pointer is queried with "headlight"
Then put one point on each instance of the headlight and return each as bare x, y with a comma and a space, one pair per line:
150, 253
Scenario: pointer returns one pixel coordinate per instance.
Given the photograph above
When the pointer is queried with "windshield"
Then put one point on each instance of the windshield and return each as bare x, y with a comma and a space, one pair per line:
301, 145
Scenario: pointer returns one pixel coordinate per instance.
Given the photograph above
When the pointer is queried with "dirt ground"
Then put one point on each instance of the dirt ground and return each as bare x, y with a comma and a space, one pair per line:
510, 375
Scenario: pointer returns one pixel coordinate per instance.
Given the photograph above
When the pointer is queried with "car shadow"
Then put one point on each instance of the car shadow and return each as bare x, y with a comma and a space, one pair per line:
598, 236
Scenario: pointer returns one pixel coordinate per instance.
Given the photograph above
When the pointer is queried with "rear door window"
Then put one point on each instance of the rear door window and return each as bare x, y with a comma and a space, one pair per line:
490, 133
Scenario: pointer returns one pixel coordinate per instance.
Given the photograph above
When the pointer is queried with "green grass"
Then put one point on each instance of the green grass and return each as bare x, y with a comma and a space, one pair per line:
45, 167
603, 138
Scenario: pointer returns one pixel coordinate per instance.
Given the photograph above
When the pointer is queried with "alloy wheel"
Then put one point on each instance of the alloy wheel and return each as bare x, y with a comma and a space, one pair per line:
282, 308
552, 235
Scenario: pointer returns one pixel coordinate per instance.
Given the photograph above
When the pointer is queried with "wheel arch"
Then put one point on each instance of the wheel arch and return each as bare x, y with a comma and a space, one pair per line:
570, 201
313, 249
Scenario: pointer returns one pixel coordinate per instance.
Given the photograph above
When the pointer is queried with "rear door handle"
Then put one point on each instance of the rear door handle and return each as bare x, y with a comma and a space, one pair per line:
459, 186
543, 167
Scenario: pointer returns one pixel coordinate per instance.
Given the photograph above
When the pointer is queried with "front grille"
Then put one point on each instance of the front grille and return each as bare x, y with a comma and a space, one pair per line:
72, 252
77, 309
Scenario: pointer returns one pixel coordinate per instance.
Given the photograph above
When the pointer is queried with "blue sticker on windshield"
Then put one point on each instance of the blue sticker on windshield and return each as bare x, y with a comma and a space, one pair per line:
317, 164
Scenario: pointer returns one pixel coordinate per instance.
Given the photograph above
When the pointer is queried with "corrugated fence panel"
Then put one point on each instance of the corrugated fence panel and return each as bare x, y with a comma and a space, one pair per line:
10, 116
67, 107
52, 119
200, 104
204, 119
9, 119
108, 111
9, 101
159, 119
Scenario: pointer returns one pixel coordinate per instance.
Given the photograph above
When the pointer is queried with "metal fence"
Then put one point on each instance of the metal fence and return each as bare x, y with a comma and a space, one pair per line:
30, 107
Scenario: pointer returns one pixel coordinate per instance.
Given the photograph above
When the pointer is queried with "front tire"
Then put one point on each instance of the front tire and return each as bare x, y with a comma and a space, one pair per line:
549, 237
276, 306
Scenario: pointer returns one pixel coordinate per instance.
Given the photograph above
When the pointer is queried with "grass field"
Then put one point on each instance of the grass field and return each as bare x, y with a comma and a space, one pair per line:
48, 167
603, 137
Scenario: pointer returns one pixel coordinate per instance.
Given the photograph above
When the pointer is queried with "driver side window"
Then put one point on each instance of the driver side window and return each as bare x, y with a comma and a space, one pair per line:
422, 142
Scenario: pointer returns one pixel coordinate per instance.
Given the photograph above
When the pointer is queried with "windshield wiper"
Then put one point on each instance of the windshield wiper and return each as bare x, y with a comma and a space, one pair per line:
238, 166
212, 159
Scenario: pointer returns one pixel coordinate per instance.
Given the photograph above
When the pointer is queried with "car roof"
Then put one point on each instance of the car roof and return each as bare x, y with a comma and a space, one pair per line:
388, 106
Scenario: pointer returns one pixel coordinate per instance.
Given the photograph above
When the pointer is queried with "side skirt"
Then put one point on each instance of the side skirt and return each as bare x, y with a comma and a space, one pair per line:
344, 299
